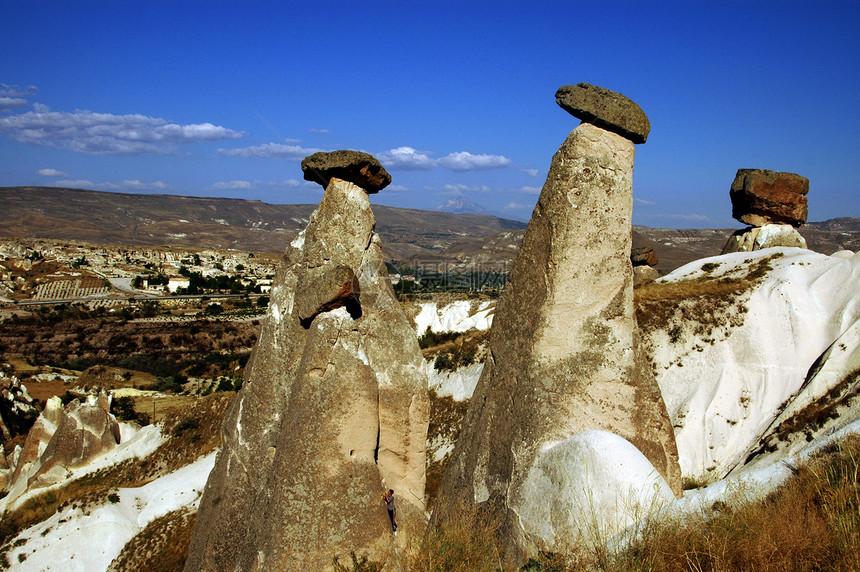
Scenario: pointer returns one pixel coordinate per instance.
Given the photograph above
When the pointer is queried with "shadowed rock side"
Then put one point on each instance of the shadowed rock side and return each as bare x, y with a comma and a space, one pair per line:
564, 353
334, 411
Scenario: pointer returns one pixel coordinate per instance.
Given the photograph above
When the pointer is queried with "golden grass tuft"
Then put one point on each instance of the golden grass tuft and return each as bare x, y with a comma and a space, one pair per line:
812, 522
465, 542
162, 546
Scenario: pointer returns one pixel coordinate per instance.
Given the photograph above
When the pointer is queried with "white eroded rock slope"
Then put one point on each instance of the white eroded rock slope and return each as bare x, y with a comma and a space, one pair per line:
459, 316
724, 389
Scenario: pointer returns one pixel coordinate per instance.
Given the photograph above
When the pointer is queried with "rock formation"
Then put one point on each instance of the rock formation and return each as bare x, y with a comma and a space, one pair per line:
334, 410
750, 382
361, 169
773, 204
644, 260
564, 351
604, 108
60, 440
767, 236
761, 197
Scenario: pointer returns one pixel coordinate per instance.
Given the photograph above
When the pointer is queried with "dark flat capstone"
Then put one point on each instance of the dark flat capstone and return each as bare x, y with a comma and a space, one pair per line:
359, 168
606, 109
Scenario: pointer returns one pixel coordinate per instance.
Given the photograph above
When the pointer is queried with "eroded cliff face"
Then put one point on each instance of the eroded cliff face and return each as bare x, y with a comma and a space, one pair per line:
333, 412
565, 358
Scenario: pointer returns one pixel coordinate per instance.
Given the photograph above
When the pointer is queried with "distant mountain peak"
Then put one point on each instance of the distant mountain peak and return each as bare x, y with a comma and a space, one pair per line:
461, 204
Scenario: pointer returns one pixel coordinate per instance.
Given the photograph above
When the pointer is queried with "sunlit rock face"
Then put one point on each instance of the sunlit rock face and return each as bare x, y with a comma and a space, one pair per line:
333, 412
564, 353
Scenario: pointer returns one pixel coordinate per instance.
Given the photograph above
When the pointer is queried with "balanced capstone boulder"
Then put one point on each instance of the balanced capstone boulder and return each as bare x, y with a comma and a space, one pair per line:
362, 169
605, 108
564, 357
761, 197
334, 411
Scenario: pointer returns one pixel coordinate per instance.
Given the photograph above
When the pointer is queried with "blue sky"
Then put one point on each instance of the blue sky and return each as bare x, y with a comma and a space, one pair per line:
455, 98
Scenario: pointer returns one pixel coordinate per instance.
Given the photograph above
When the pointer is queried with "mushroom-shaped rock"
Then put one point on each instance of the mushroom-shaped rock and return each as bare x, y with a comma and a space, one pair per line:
606, 109
359, 168
761, 197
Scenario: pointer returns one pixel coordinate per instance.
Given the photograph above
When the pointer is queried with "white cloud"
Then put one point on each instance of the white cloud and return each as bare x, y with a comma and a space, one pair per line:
78, 183
286, 183
406, 159
15, 91
643, 202
138, 184
106, 133
271, 151
531, 172
515, 207
396, 188
85, 184
312, 130
465, 161
13, 97
52, 173
530, 190
12, 103
233, 185
464, 188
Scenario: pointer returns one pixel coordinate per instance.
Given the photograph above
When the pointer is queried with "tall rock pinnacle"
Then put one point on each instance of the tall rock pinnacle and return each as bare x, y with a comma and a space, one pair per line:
333, 411
565, 370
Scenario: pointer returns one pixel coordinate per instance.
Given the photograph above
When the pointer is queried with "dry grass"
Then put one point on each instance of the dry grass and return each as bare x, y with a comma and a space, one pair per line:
464, 543
162, 546
810, 523
706, 299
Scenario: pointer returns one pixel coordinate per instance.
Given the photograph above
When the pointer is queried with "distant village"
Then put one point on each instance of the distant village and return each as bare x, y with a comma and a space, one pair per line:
42, 272
45, 271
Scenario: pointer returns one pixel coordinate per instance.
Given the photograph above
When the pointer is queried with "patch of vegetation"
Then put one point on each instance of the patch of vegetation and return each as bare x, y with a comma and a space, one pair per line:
452, 350
433, 339
123, 409
162, 545
812, 522
814, 416
467, 541
184, 424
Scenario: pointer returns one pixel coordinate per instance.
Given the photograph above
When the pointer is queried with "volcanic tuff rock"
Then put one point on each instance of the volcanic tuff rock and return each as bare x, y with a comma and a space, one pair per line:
761, 197
333, 411
63, 439
767, 236
604, 108
564, 352
362, 169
